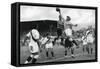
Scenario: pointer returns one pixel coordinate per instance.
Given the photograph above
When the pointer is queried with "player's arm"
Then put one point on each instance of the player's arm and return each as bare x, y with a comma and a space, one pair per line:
74, 25
60, 15
27, 37
62, 19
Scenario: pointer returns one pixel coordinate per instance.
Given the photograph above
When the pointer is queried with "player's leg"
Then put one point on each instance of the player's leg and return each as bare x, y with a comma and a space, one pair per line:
91, 49
66, 47
62, 41
72, 52
47, 52
52, 53
91, 44
34, 50
35, 57
31, 55
75, 43
87, 48
66, 51
84, 49
29, 59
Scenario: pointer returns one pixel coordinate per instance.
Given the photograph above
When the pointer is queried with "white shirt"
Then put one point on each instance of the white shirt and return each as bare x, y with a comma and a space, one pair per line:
33, 46
68, 32
90, 38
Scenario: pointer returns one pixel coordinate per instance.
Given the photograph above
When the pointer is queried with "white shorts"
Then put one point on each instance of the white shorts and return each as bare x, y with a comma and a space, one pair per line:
84, 42
90, 39
35, 55
49, 45
58, 41
33, 47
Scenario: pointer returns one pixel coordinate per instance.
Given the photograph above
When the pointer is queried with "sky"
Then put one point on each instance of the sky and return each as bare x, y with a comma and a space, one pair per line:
82, 17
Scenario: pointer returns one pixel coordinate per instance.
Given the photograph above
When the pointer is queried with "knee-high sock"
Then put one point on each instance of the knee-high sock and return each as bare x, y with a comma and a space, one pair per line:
83, 49
65, 52
91, 50
47, 53
72, 51
52, 54
34, 60
87, 48
28, 59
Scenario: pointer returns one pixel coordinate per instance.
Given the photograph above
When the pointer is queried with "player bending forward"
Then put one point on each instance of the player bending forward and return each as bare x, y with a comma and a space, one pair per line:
33, 36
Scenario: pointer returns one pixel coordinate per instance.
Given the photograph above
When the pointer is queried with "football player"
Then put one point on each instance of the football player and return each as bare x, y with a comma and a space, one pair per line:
67, 28
84, 43
88, 40
33, 37
47, 42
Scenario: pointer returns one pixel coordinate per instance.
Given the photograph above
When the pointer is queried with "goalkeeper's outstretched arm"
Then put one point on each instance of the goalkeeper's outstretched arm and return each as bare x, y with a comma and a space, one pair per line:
60, 15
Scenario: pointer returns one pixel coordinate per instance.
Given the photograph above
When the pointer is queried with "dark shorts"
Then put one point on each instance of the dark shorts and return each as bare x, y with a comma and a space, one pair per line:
68, 43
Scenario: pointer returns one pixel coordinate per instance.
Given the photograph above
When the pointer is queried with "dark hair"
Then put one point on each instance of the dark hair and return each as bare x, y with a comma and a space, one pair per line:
35, 26
68, 18
57, 9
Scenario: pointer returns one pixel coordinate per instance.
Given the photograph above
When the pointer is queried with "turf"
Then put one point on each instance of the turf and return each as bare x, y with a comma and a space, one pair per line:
58, 55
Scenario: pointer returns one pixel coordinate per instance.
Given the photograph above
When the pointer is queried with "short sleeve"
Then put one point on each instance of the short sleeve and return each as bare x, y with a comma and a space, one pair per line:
28, 35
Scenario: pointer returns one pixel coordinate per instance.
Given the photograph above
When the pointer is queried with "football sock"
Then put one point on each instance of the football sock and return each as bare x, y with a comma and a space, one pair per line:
52, 54
28, 60
47, 54
34, 60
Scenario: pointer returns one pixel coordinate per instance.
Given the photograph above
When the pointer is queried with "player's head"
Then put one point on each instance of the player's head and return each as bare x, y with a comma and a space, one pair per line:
68, 18
57, 9
35, 26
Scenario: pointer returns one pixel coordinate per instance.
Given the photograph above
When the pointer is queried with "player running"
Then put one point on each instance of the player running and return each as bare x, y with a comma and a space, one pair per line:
33, 37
